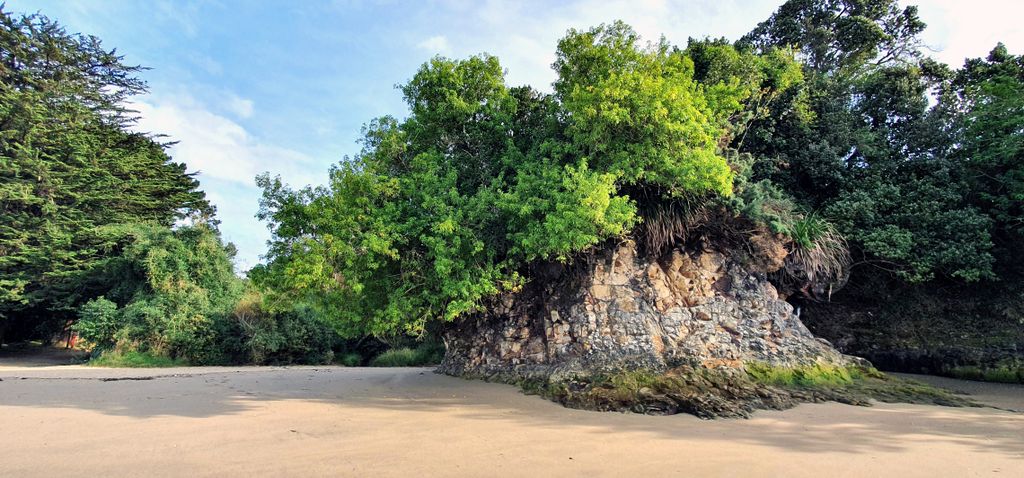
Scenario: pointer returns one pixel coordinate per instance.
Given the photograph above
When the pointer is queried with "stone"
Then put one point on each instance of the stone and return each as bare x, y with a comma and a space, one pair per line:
709, 308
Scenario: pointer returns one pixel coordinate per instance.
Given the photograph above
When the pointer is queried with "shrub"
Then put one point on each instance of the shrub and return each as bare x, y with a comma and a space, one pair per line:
98, 321
820, 254
427, 353
350, 359
403, 357
292, 335
430, 352
175, 288
1000, 373
135, 359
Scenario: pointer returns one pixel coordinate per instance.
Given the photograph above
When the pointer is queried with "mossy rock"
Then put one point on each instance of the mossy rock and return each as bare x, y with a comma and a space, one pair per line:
735, 393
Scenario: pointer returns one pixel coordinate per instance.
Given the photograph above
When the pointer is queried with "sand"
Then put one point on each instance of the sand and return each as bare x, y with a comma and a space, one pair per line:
332, 421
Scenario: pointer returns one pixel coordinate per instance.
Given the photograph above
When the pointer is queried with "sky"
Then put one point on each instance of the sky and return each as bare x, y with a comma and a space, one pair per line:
251, 86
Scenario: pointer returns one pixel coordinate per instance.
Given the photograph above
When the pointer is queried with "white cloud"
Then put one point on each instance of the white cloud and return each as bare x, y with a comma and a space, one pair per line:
959, 29
437, 44
228, 158
241, 107
524, 35
217, 146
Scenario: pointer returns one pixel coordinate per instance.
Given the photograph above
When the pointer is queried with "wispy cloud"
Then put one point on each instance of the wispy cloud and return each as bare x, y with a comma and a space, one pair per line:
217, 146
240, 107
523, 35
959, 29
437, 44
228, 158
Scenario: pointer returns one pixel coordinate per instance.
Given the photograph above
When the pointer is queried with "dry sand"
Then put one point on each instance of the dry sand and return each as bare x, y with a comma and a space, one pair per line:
329, 421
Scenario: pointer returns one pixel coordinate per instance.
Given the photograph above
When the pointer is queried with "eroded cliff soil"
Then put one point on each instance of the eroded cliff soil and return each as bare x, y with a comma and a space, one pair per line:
700, 308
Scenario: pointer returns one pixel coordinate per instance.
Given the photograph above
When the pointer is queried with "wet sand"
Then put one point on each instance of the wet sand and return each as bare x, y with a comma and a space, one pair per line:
332, 421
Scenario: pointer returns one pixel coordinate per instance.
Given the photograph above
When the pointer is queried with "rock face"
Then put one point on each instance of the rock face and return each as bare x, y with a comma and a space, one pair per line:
702, 308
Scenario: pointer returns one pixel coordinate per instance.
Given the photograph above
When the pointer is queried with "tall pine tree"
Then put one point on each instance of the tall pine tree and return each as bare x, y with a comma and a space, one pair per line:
70, 169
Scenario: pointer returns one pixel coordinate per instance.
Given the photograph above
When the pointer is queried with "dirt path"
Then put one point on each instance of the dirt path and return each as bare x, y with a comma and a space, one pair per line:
28, 355
306, 421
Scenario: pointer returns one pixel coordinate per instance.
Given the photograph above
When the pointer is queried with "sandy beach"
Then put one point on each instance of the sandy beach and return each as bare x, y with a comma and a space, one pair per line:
333, 421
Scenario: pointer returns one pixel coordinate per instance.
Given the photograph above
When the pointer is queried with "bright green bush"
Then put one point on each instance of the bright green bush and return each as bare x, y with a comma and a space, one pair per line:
445, 209
175, 289
135, 359
98, 321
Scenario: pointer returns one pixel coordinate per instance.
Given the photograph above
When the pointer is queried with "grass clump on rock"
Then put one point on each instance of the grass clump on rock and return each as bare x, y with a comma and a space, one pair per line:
735, 393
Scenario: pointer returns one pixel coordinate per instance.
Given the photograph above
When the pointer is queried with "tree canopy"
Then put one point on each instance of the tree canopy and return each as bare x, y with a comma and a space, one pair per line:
862, 142
71, 173
825, 126
448, 207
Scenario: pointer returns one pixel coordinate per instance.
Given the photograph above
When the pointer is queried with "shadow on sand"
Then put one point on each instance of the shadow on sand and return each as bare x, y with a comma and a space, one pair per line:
412, 395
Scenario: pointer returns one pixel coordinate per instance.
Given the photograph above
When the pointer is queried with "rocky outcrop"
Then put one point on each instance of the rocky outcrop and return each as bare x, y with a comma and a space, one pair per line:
700, 308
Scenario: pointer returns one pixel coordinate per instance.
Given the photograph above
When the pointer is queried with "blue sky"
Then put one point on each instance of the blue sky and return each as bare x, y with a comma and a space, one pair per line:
253, 86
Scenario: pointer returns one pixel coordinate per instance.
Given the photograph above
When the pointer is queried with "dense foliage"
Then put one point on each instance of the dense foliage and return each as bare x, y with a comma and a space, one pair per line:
69, 168
918, 165
98, 226
172, 291
826, 125
893, 170
449, 207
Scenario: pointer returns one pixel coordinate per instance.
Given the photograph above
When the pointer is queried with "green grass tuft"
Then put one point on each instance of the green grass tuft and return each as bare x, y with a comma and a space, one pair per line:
424, 354
133, 359
1003, 373
350, 359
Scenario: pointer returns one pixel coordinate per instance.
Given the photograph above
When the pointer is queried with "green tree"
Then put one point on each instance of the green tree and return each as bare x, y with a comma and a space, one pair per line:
69, 167
834, 35
860, 143
174, 292
989, 96
449, 207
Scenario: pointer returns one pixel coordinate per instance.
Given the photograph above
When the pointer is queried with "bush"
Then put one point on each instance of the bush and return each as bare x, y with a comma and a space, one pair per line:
428, 353
1000, 373
98, 321
350, 359
403, 357
295, 335
175, 288
135, 359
